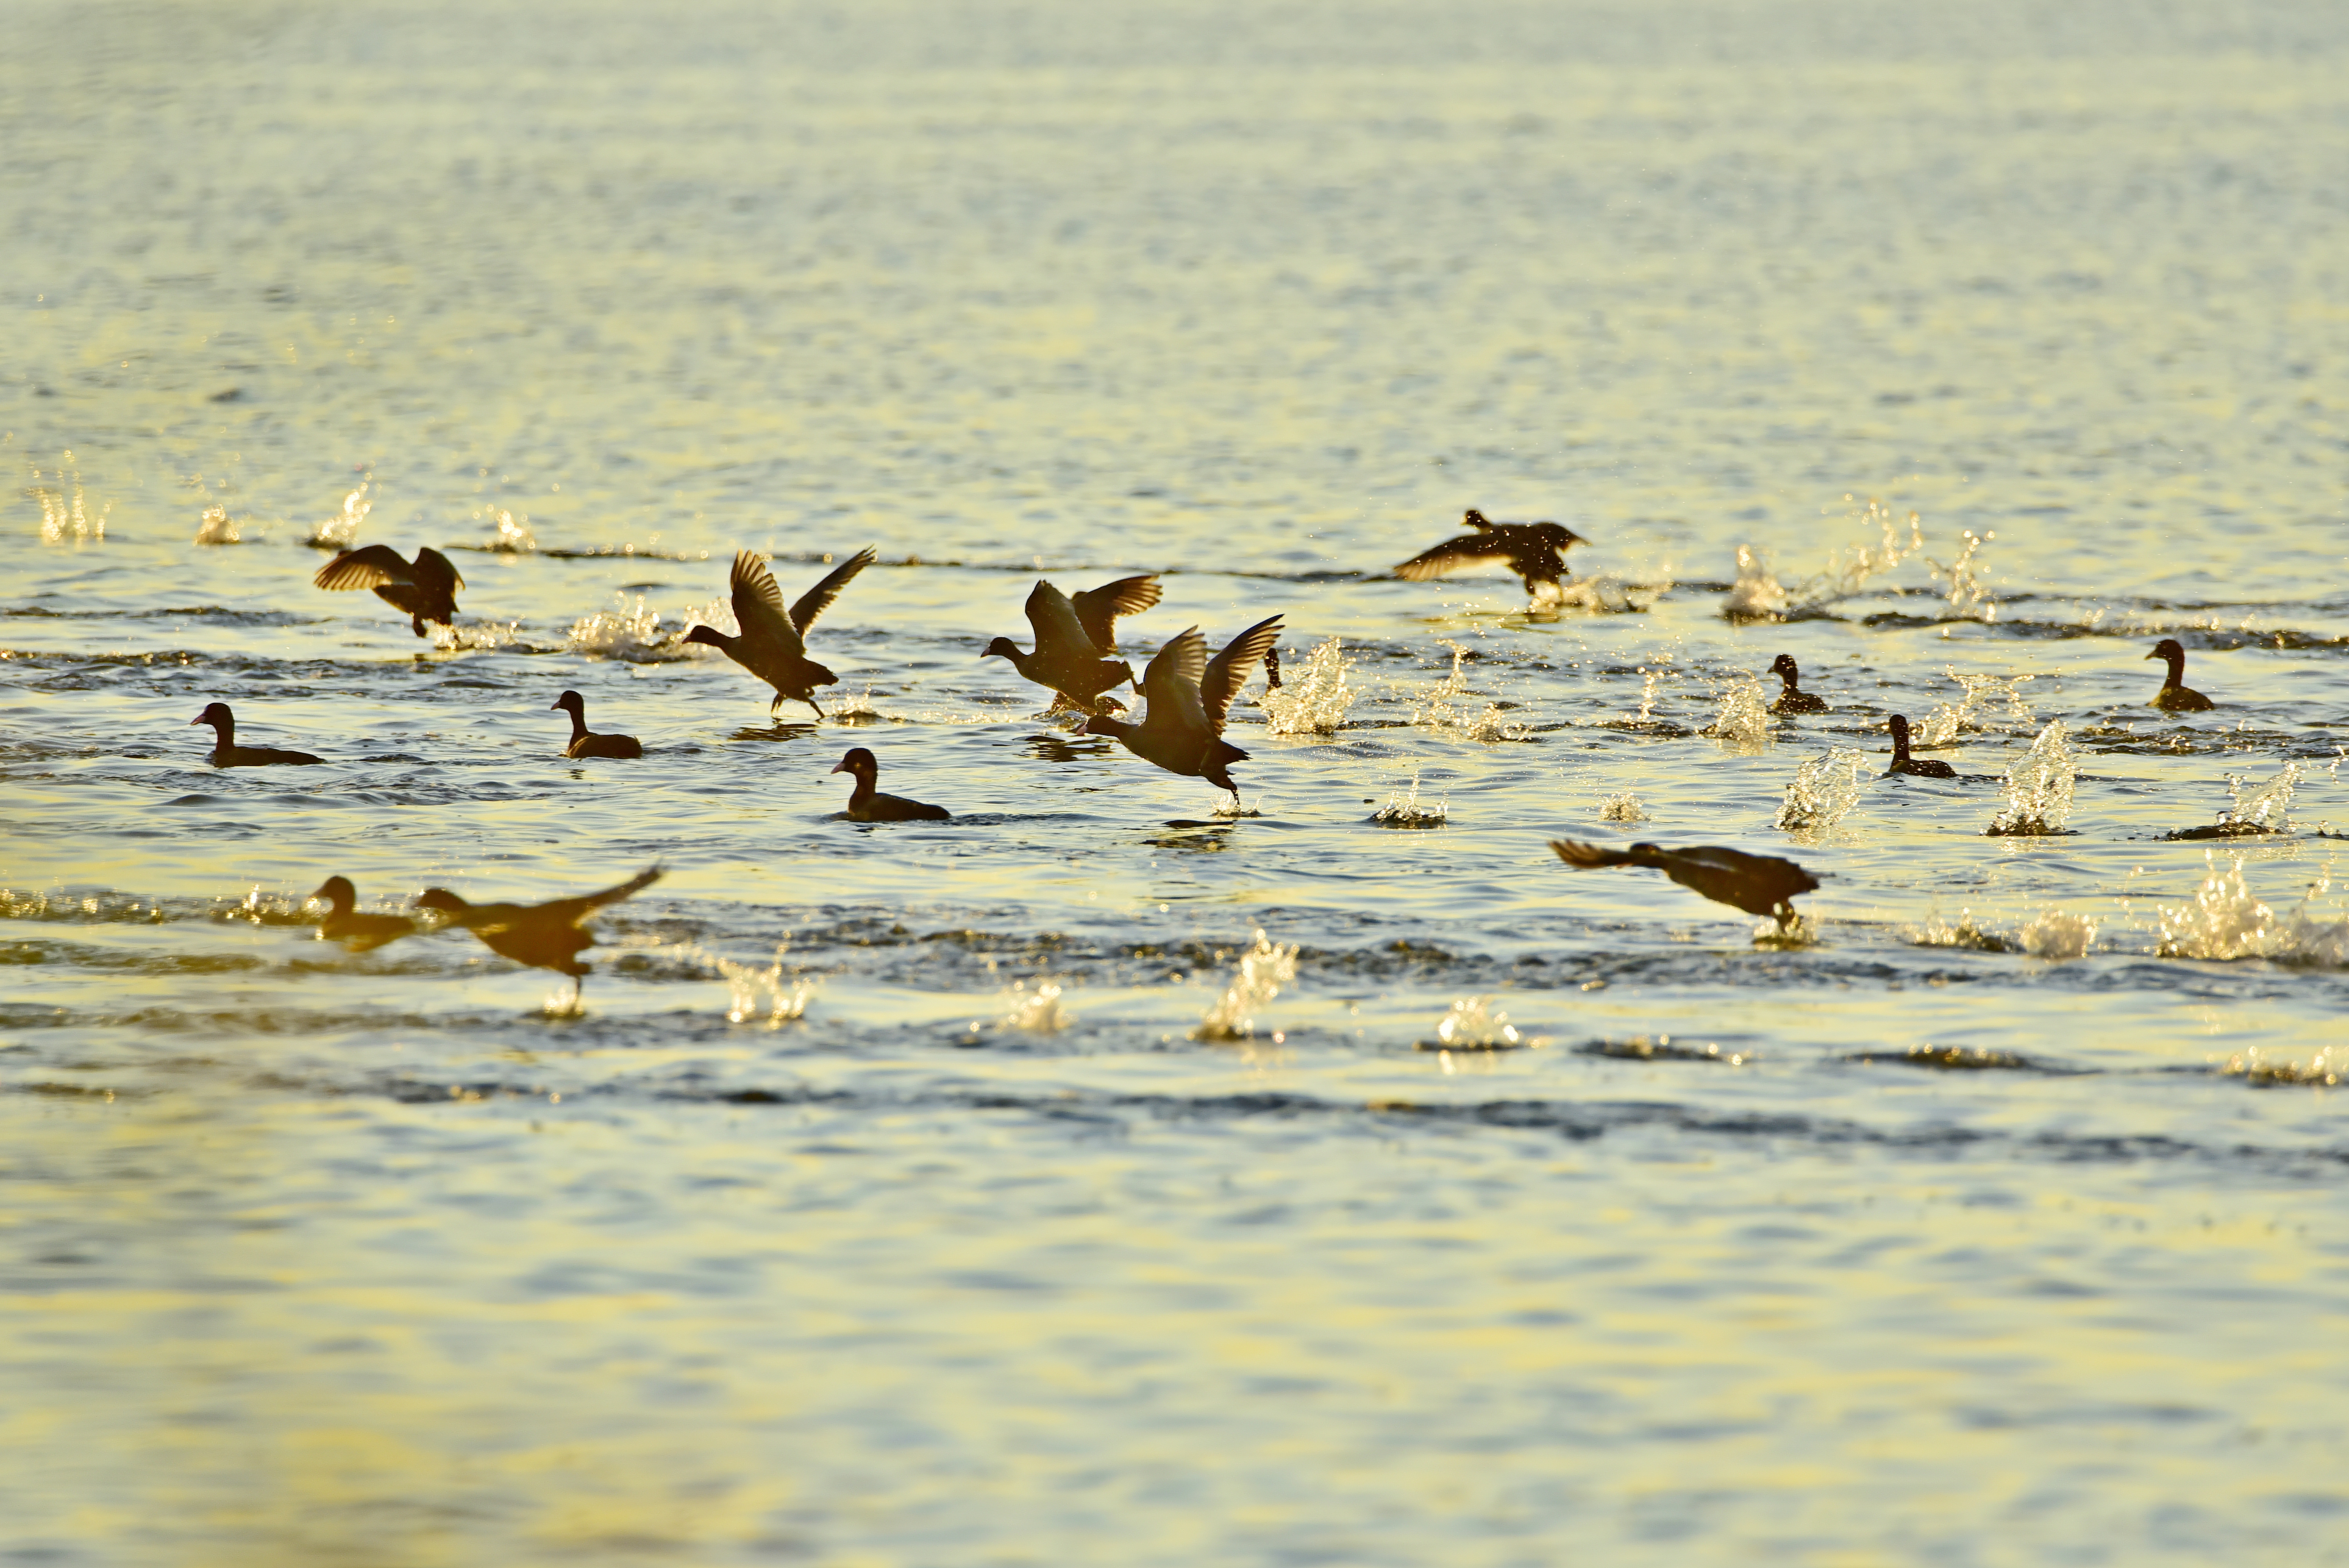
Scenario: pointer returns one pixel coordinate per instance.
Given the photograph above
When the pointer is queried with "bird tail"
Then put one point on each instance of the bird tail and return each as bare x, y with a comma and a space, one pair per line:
1588, 857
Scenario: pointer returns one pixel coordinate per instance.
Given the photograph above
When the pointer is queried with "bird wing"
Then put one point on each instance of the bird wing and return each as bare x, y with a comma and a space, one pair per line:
818, 599
369, 568
1454, 556
1170, 684
1098, 609
575, 909
1060, 633
1229, 670
1588, 857
759, 605
433, 571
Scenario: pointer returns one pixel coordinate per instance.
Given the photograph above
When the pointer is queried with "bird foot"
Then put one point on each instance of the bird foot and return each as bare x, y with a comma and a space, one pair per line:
1797, 931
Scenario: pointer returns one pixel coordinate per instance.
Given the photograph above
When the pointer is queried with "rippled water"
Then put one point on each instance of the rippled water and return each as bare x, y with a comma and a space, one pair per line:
1095, 1177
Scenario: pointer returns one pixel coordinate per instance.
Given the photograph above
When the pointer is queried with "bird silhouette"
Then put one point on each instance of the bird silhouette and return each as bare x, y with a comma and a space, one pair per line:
543, 935
1758, 884
2176, 696
773, 642
868, 804
227, 753
585, 742
1074, 637
1792, 699
344, 923
424, 589
1929, 767
1185, 698
1534, 551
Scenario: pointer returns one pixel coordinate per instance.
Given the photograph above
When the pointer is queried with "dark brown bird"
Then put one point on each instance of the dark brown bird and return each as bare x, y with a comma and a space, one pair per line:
1792, 699
584, 743
1534, 551
1930, 767
425, 589
343, 923
773, 643
543, 935
868, 804
1758, 884
1186, 696
2176, 696
227, 753
1074, 638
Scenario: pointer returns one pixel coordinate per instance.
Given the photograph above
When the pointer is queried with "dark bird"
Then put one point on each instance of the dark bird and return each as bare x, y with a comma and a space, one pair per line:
773, 644
1758, 884
425, 589
543, 935
1534, 551
1186, 696
868, 804
1931, 768
2176, 696
1793, 699
1074, 638
584, 743
343, 923
227, 753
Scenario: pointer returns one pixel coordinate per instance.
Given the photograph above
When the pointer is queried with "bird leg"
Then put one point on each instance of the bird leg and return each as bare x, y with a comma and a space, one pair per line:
819, 712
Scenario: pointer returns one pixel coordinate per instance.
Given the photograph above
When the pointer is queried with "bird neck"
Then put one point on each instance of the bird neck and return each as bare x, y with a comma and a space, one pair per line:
2176, 661
578, 712
1900, 743
867, 786
225, 733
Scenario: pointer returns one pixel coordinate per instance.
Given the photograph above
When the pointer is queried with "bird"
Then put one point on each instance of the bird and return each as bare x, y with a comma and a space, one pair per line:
543, 935
1187, 696
586, 744
868, 804
773, 644
1531, 550
1758, 884
425, 588
2176, 696
227, 753
1931, 768
1073, 638
1792, 699
359, 933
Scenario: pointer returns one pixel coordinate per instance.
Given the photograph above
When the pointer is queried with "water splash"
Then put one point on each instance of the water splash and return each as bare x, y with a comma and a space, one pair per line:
66, 515
2039, 787
1404, 809
2057, 937
1965, 932
1756, 595
1472, 1026
1742, 723
475, 637
216, 528
1313, 700
1824, 790
1034, 1008
514, 536
342, 531
1968, 598
1849, 570
857, 709
1650, 679
1447, 707
2325, 1070
2265, 809
1264, 968
636, 635
1625, 806
1941, 726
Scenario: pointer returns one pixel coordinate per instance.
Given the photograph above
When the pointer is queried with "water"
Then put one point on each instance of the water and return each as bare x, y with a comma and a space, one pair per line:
886, 1204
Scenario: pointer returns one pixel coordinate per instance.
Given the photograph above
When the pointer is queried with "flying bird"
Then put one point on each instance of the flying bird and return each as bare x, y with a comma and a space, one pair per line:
1187, 696
424, 589
1534, 551
773, 645
1758, 884
1074, 638
543, 935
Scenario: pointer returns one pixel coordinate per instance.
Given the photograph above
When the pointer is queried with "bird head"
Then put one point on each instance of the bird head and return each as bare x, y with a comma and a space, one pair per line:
1001, 648
1475, 519
1560, 536
2167, 649
570, 701
1898, 725
215, 715
1102, 724
441, 900
859, 762
1782, 667
822, 677
709, 636
335, 891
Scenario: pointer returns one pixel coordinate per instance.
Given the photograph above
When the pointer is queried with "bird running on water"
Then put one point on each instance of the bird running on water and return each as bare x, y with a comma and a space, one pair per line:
1929, 767
425, 588
1758, 884
1185, 698
543, 935
773, 642
1792, 699
227, 753
345, 923
1534, 551
586, 743
2176, 696
1074, 638
868, 804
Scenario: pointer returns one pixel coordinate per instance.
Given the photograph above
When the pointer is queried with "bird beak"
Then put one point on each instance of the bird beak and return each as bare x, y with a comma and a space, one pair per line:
316, 896
195, 721
2149, 656
840, 768
552, 706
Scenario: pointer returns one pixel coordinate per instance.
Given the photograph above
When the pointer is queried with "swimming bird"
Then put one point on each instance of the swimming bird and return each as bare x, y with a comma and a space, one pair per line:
343, 923
2176, 696
425, 588
1792, 699
868, 804
1931, 768
1531, 550
1073, 637
543, 935
1758, 884
586, 744
227, 753
1187, 696
773, 644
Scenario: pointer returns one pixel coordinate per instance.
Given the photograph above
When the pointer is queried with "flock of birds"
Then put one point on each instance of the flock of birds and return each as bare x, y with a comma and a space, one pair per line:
1187, 696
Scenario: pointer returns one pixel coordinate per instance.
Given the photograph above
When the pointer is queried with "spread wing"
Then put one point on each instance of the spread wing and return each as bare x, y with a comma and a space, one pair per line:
1229, 670
759, 605
1171, 683
1454, 556
1588, 857
1060, 635
1098, 609
575, 909
433, 571
370, 568
818, 599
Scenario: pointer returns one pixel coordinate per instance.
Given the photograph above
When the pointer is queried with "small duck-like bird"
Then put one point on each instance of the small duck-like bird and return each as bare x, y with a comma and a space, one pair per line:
1075, 637
425, 588
1534, 551
773, 644
543, 935
584, 743
1186, 696
227, 753
2176, 696
1792, 699
1758, 884
344, 923
868, 804
1930, 767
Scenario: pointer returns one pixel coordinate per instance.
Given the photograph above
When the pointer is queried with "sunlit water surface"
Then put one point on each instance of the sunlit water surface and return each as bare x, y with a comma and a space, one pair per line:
887, 1206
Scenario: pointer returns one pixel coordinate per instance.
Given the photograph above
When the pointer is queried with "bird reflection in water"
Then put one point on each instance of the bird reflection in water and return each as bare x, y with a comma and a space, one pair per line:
776, 731
1064, 749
